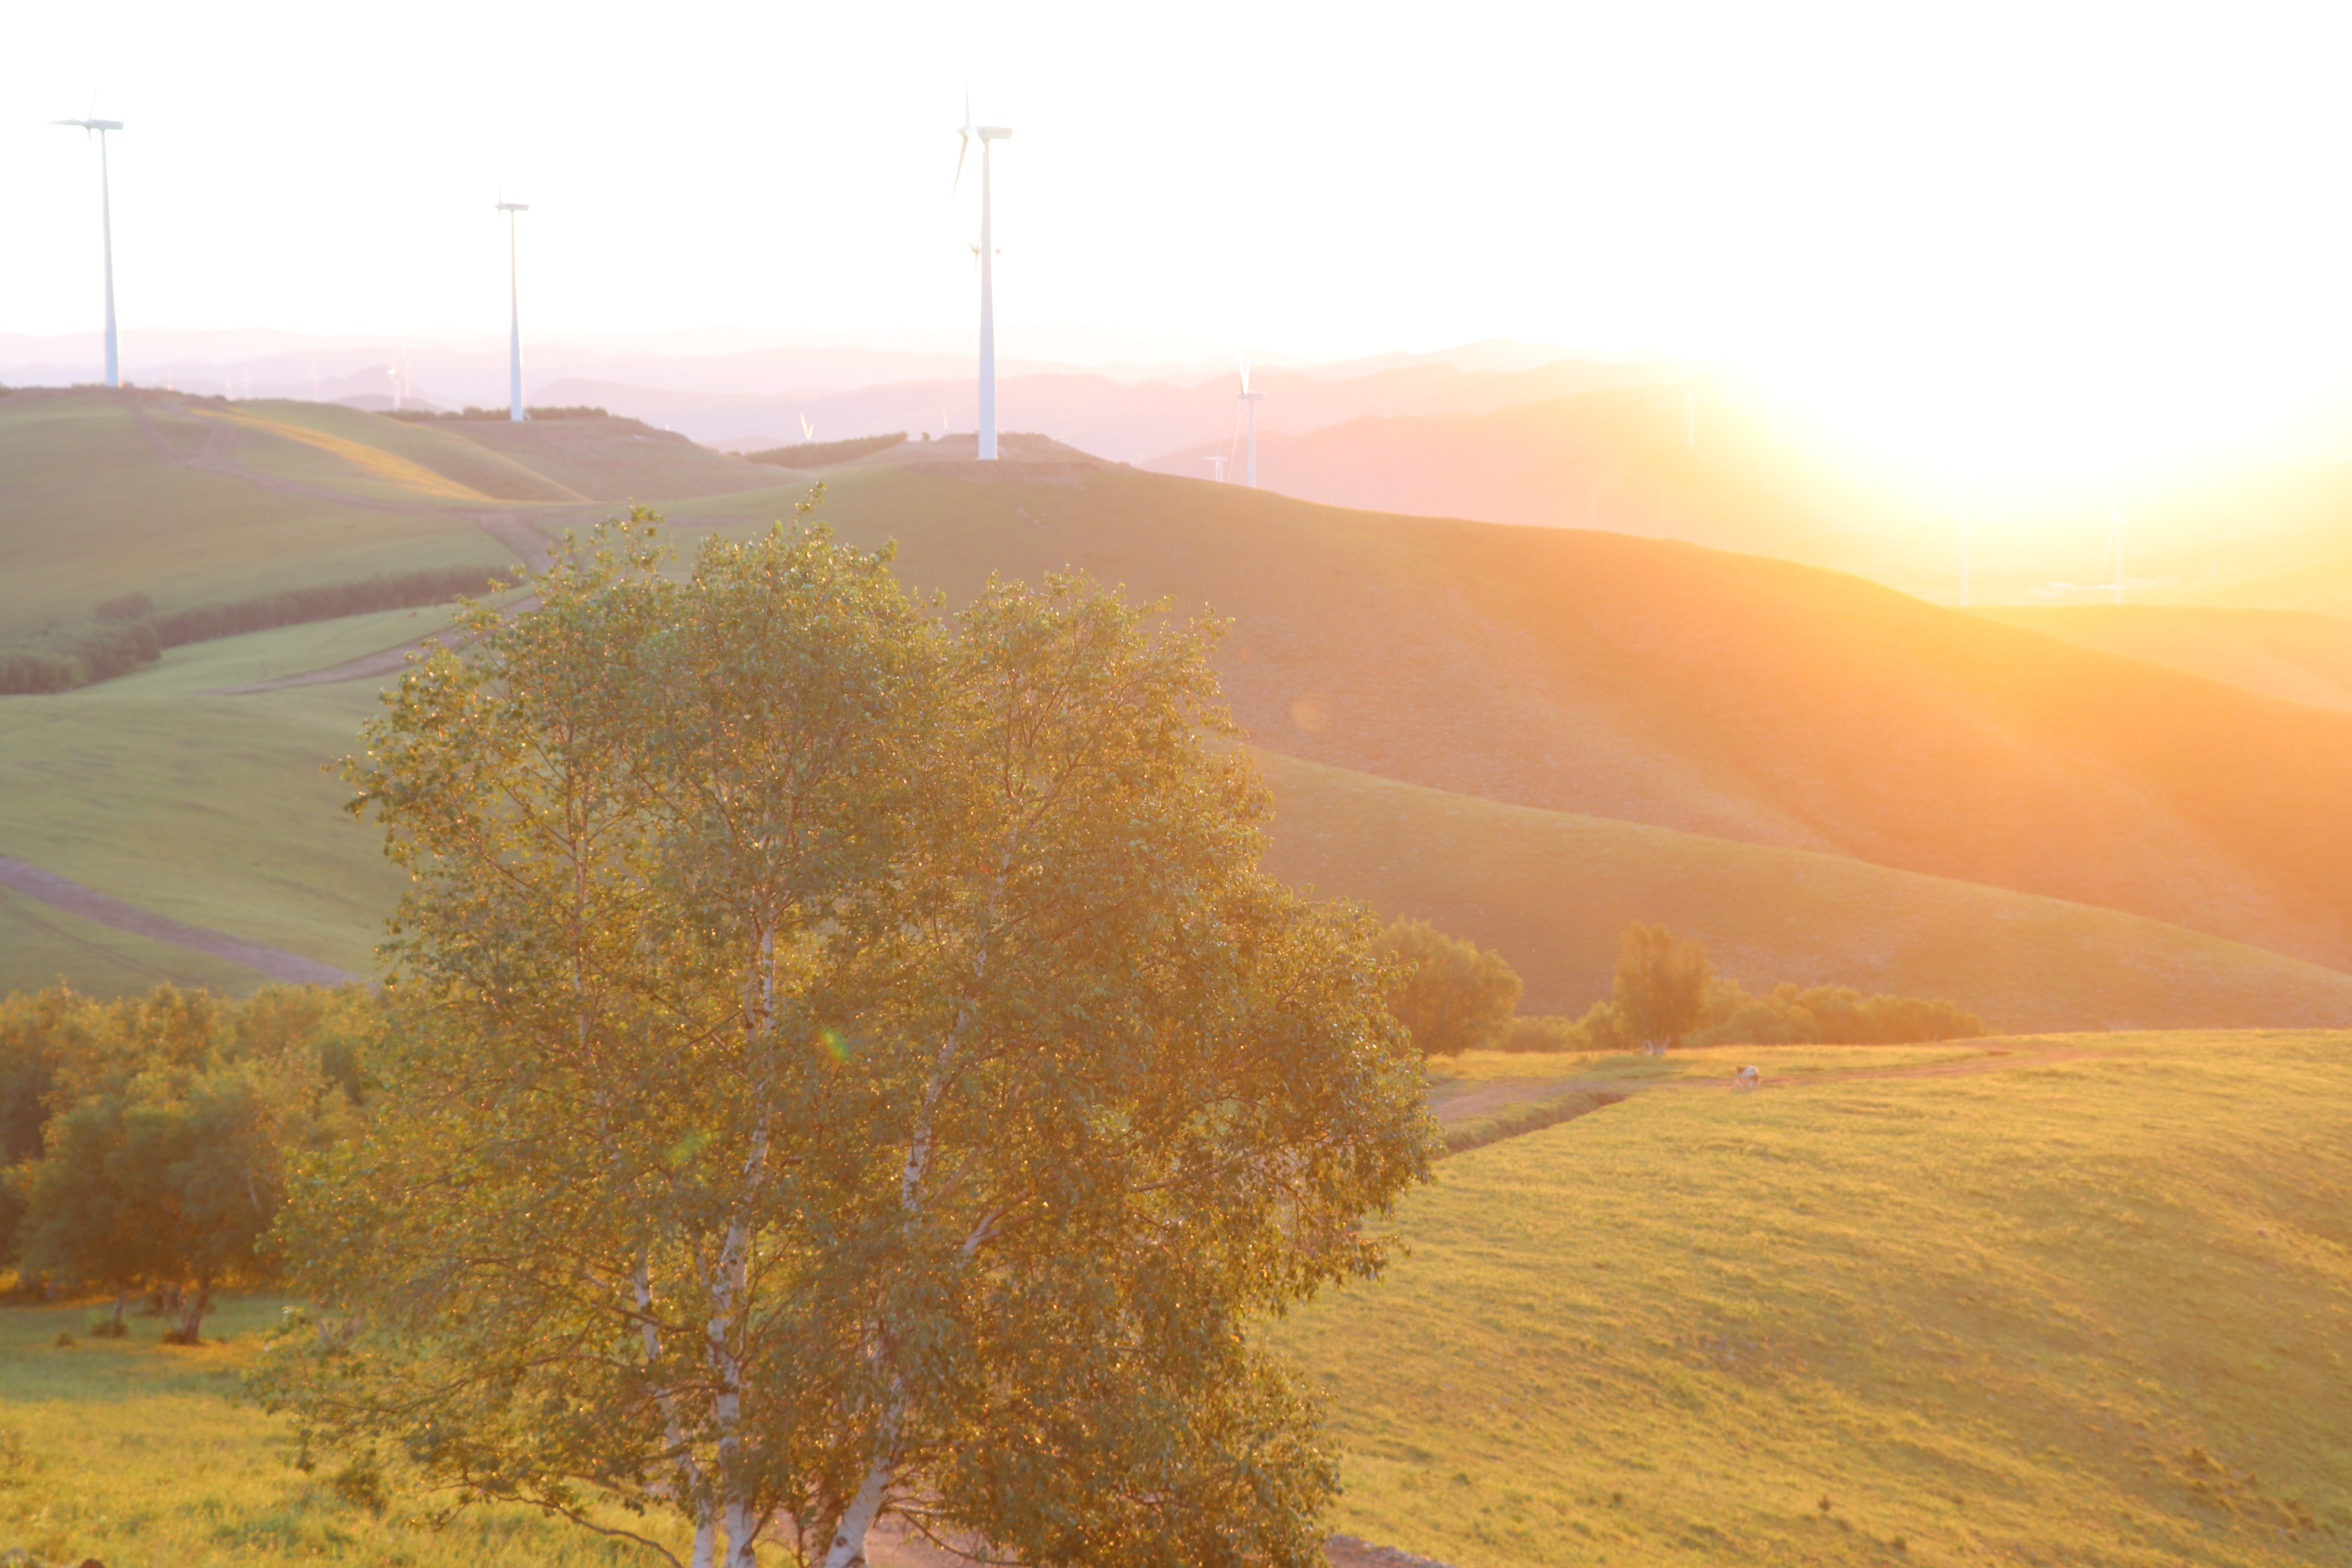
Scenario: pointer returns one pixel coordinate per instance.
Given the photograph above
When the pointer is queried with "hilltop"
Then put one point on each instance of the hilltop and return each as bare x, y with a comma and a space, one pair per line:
1730, 699
2303, 656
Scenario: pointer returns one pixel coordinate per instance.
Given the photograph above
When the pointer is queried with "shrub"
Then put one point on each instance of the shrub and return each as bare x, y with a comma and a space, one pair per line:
1829, 1015
126, 632
1660, 986
815, 453
1455, 997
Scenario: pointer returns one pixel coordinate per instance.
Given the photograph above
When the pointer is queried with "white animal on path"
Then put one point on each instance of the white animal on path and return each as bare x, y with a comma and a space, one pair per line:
1746, 1078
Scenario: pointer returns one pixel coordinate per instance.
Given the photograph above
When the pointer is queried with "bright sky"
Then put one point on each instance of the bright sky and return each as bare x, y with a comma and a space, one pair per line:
1994, 237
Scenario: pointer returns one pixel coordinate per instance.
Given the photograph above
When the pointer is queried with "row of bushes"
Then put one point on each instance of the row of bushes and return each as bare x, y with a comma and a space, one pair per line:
127, 632
1527, 1116
62, 660
1787, 1014
816, 454
429, 415
1453, 995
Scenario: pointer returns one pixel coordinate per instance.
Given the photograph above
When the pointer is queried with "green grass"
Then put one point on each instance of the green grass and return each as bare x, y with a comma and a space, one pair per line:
2088, 1310
1552, 891
95, 507
211, 810
2095, 1311
41, 945
145, 1455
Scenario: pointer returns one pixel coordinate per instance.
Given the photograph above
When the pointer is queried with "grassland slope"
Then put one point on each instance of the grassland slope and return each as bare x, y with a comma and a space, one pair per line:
159, 790
1552, 891
2090, 1310
2303, 656
1726, 695
113, 493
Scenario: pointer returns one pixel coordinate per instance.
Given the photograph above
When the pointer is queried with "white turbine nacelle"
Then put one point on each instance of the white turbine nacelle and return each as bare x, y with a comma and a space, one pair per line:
986, 253
92, 126
1250, 401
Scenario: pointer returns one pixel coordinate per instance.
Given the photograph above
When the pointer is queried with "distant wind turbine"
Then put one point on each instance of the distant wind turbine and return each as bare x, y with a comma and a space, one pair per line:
808, 431
1220, 460
99, 128
1250, 402
2116, 522
986, 133
514, 310
1965, 520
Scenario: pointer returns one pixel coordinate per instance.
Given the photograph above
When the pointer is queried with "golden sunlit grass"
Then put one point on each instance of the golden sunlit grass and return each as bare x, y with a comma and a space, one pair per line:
101, 501
2086, 1310
144, 1456
1552, 891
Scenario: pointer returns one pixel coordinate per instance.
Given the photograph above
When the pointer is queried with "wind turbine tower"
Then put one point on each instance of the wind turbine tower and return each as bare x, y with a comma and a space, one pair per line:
106, 231
1218, 461
514, 314
2116, 548
1250, 402
986, 133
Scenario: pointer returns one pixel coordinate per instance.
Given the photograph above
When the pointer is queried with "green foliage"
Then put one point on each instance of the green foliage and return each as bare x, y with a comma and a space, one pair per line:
818, 454
162, 1127
1828, 1015
471, 414
126, 633
1788, 1014
1660, 986
1452, 995
859, 1059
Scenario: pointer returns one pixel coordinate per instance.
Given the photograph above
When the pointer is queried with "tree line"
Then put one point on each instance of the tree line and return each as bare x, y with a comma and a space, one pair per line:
1453, 995
815, 454
127, 632
146, 1144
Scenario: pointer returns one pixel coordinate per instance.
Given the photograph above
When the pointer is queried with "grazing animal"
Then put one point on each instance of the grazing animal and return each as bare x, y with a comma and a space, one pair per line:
1746, 1078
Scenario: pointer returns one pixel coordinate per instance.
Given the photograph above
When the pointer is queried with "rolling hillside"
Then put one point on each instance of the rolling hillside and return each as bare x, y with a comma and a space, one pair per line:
160, 790
1725, 695
1551, 892
2303, 656
1852, 1322
1722, 696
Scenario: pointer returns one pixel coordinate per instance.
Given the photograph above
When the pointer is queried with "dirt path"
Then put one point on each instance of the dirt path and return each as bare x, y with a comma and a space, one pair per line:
1484, 1098
516, 533
75, 898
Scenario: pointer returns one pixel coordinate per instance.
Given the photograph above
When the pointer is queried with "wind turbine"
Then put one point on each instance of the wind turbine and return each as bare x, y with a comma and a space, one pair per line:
808, 431
106, 230
2116, 520
514, 308
1250, 402
986, 133
1220, 460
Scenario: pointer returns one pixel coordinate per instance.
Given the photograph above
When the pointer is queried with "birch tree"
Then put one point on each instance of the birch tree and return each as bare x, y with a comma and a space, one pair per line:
856, 1067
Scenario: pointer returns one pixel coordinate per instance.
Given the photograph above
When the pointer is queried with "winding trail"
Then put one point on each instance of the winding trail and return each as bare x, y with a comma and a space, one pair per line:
1475, 1100
89, 903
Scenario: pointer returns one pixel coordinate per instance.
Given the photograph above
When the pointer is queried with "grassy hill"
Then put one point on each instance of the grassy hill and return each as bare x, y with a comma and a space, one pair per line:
1671, 1330
213, 809
190, 502
2303, 656
1620, 459
1846, 1320
1551, 891
1653, 681
1724, 695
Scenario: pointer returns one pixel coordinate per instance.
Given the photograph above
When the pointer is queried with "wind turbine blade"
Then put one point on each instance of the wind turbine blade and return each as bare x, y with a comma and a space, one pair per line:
963, 145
